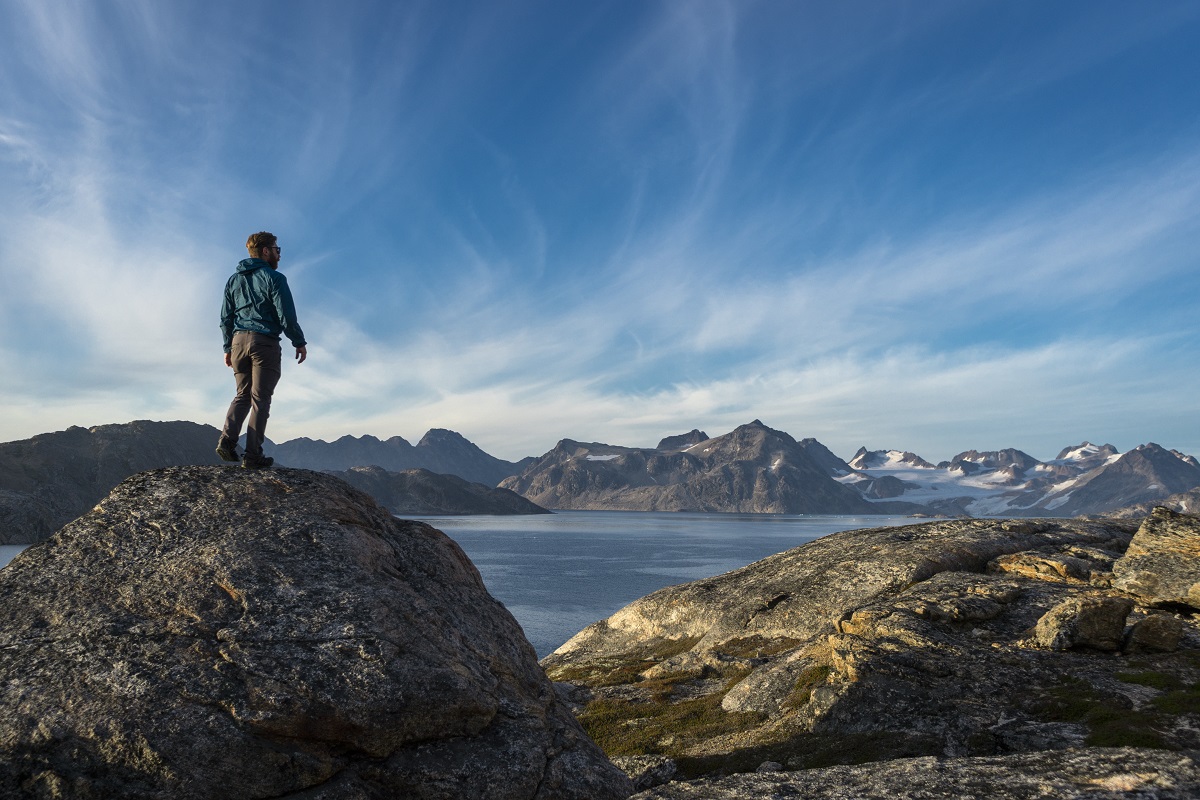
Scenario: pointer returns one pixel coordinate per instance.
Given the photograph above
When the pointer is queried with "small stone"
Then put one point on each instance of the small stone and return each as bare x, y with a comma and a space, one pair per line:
646, 772
770, 766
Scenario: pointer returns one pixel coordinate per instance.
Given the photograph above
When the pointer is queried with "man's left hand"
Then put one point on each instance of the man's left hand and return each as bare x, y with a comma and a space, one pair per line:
301, 354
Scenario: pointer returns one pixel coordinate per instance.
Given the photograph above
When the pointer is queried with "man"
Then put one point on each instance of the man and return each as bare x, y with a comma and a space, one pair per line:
258, 307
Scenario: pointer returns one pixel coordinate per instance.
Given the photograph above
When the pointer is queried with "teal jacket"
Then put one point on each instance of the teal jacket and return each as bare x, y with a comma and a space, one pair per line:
257, 298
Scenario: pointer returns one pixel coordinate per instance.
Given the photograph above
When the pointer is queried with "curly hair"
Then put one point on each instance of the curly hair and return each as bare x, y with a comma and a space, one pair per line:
259, 240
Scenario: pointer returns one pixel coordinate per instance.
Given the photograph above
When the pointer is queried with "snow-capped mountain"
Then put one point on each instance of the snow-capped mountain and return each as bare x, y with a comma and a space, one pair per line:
1084, 479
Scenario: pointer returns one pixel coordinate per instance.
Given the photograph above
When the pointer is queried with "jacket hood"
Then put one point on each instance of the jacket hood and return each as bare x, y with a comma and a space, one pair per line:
249, 264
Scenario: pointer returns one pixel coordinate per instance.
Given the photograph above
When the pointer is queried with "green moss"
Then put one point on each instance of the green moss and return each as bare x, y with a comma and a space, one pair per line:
810, 678
757, 646
1111, 721
1180, 701
626, 670
661, 726
1155, 680
808, 751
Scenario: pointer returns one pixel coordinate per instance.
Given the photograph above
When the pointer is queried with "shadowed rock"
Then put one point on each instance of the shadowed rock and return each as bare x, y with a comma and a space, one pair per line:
1085, 774
420, 492
209, 632
50, 479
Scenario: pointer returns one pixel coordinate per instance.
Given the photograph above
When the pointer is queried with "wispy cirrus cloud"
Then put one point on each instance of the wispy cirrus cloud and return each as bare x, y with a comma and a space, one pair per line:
523, 223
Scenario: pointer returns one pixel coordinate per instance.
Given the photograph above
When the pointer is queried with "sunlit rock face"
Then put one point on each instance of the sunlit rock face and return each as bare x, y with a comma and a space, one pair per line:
949, 639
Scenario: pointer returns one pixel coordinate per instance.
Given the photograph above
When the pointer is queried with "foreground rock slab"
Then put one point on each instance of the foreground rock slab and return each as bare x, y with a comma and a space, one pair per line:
213, 632
950, 639
1086, 773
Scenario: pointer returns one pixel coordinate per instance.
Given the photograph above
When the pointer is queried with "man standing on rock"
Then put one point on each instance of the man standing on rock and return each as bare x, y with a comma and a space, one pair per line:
257, 308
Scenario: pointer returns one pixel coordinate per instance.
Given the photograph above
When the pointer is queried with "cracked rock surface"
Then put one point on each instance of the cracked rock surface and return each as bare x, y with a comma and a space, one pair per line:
957, 638
1084, 774
216, 632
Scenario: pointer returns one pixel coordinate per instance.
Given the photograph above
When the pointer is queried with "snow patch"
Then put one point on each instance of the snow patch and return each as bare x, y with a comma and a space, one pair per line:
1058, 502
603, 458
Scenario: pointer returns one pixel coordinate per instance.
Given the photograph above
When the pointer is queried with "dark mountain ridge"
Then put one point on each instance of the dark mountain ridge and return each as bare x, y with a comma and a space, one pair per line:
439, 450
50, 479
419, 492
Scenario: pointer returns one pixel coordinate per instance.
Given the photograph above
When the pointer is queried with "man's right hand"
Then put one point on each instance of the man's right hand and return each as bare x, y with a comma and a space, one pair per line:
228, 360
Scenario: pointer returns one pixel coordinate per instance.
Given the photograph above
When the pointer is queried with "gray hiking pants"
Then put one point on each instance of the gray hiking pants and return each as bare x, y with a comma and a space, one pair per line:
256, 361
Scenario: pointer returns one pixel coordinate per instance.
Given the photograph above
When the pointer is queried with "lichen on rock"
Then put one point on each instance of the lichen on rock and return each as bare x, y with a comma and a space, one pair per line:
880, 644
210, 632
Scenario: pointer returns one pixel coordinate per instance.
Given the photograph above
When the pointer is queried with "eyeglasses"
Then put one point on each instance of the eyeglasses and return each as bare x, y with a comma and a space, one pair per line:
277, 249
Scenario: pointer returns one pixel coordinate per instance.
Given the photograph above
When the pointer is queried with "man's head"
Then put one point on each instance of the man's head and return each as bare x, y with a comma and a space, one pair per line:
265, 246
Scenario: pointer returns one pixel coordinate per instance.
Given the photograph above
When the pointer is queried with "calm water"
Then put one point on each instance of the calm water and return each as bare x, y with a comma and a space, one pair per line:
558, 573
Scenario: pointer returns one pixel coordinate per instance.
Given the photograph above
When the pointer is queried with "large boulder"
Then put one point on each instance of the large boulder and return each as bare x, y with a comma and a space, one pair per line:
1162, 564
213, 632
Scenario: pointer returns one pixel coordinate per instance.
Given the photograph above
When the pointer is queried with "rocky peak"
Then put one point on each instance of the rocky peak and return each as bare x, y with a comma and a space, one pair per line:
683, 440
750, 442
871, 459
1185, 458
1087, 455
995, 459
824, 457
210, 631
442, 437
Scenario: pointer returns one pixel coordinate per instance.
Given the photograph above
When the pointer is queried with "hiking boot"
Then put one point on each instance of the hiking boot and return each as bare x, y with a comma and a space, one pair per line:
228, 451
257, 462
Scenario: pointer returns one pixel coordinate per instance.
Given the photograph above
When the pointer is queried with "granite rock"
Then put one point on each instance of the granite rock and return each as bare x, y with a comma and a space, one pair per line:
1095, 622
886, 643
1075, 774
1162, 565
216, 632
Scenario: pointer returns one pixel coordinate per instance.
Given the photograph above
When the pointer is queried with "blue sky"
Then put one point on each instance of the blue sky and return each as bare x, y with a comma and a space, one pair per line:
931, 226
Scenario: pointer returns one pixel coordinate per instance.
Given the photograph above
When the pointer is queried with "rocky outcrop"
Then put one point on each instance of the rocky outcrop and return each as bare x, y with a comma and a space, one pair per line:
439, 450
753, 469
209, 632
419, 492
1162, 565
949, 639
1077, 774
49, 480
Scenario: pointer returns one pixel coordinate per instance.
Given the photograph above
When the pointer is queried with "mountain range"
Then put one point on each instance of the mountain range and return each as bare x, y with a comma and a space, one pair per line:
753, 469
1083, 479
758, 469
439, 451
52, 478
